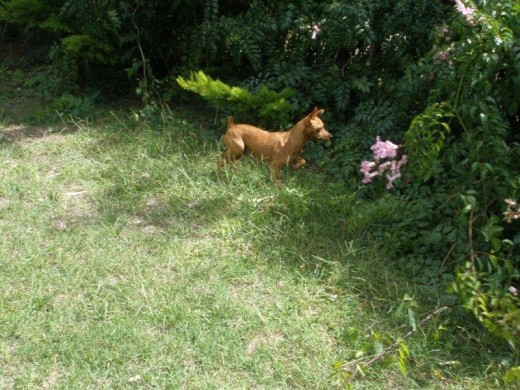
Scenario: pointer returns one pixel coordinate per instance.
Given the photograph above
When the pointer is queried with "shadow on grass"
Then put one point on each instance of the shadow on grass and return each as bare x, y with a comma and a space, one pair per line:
304, 224
166, 181
24, 117
161, 184
17, 133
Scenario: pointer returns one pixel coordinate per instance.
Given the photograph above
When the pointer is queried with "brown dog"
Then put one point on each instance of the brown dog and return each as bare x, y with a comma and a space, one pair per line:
277, 148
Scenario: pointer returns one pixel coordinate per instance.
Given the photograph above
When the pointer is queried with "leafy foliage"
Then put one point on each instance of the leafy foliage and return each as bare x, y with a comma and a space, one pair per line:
466, 142
265, 103
488, 296
32, 13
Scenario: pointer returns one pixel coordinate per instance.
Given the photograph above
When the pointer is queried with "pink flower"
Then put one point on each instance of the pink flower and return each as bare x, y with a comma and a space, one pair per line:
382, 167
384, 155
402, 161
441, 56
466, 11
391, 178
384, 149
366, 167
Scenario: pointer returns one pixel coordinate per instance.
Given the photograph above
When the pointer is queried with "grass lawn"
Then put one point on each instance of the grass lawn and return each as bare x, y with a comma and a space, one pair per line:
125, 262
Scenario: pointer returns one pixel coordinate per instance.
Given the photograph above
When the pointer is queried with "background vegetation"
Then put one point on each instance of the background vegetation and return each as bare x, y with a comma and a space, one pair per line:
441, 78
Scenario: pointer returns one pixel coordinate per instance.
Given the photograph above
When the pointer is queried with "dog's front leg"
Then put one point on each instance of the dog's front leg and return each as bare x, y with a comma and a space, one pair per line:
297, 163
275, 171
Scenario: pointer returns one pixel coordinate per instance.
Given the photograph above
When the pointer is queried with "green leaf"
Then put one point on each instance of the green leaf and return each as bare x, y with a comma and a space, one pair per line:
491, 230
412, 319
402, 366
403, 353
512, 376
470, 203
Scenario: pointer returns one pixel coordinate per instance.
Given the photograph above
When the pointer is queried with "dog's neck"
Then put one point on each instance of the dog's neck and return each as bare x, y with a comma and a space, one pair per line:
296, 138
298, 134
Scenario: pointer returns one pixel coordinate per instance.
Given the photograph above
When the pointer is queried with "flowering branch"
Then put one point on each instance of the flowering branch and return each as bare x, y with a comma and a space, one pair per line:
315, 30
385, 154
461, 7
512, 212
467, 12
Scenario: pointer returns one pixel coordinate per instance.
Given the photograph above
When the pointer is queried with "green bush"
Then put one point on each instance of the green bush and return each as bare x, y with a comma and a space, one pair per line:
102, 39
264, 106
465, 145
75, 106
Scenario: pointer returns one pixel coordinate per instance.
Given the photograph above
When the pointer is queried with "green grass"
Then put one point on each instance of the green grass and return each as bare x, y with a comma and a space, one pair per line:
126, 262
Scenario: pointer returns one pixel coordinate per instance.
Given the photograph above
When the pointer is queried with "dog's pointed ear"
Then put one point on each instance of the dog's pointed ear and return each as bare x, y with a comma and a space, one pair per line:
316, 112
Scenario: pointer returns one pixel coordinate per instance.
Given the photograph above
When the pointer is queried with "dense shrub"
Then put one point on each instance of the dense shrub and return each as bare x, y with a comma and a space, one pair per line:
360, 66
463, 152
362, 49
104, 42
465, 145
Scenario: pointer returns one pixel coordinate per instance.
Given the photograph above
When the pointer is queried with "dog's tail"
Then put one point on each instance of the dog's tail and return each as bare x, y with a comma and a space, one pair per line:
230, 121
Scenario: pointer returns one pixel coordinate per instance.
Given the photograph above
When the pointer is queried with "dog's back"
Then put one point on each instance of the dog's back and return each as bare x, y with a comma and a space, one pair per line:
241, 138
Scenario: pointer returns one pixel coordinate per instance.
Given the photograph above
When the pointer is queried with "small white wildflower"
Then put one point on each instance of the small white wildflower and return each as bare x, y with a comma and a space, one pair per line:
315, 30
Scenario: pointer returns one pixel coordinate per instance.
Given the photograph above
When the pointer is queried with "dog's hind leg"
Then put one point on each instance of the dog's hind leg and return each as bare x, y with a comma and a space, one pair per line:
234, 150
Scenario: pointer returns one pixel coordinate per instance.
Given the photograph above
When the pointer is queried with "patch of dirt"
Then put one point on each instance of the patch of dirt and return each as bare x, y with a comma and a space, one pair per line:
137, 223
9, 371
271, 340
4, 203
78, 208
17, 133
79, 205
52, 380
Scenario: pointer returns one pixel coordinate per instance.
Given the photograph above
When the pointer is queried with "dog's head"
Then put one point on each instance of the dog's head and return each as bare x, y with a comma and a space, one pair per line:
315, 128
